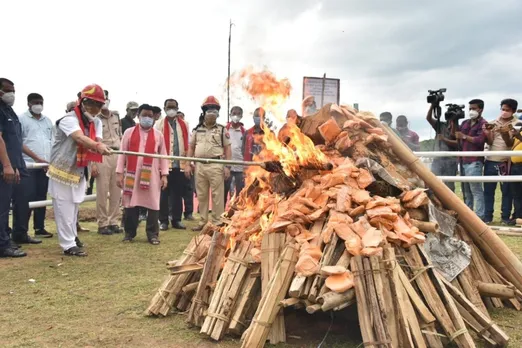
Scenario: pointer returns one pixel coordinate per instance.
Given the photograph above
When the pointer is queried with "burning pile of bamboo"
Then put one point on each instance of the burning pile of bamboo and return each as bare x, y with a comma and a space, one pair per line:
325, 240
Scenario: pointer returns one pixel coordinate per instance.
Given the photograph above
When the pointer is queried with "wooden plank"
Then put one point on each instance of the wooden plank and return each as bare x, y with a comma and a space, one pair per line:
416, 300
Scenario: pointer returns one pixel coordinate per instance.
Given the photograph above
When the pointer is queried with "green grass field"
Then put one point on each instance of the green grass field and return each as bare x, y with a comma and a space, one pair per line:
98, 301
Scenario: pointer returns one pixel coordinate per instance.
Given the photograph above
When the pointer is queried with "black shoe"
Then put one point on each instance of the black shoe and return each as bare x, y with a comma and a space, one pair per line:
115, 229
10, 252
164, 227
178, 225
43, 233
79, 243
106, 231
509, 222
189, 217
28, 240
13, 245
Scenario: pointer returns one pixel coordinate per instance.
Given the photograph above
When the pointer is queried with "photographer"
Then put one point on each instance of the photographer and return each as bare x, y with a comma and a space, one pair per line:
499, 138
445, 141
409, 137
472, 138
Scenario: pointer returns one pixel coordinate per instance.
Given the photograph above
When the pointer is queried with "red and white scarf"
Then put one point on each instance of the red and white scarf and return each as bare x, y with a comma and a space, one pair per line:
84, 155
132, 161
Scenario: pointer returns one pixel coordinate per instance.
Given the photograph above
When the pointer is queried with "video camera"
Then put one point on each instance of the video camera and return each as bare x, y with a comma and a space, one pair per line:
455, 112
435, 97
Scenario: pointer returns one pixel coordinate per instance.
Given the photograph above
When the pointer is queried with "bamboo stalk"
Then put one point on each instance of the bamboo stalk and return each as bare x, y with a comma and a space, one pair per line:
425, 226
496, 290
363, 310
508, 264
248, 301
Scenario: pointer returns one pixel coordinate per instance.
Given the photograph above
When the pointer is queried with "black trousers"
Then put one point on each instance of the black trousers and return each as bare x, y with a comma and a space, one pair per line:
6, 193
171, 201
188, 195
132, 221
21, 196
39, 185
239, 182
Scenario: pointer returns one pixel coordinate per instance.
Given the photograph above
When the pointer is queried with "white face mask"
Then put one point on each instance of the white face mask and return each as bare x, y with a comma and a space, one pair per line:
172, 112
106, 105
37, 109
146, 122
473, 114
235, 118
9, 98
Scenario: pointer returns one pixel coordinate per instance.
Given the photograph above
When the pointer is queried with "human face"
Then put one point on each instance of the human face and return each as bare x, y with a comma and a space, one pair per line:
236, 115
146, 119
171, 108
92, 107
35, 102
402, 125
6, 88
132, 112
386, 119
476, 108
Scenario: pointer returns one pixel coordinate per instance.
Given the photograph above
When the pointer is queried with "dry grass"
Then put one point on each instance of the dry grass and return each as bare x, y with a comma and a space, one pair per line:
98, 301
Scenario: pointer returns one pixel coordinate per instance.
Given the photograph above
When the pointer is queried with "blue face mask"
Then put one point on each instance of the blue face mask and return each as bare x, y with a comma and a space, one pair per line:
146, 122
257, 121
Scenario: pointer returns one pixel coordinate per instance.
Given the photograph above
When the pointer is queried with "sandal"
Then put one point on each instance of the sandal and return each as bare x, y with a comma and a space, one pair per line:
127, 240
154, 241
75, 251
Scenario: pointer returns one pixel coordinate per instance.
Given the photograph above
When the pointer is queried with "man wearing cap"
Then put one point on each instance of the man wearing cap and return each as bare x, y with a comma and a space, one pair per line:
128, 121
176, 136
76, 145
210, 140
105, 174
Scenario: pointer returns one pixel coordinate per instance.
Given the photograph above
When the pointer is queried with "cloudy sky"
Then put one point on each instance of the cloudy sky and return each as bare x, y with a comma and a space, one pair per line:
386, 53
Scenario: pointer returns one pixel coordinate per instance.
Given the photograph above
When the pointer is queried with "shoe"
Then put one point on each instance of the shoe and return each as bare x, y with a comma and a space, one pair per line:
43, 233
10, 252
164, 227
106, 231
198, 228
127, 240
28, 240
177, 225
75, 251
189, 217
81, 229
509, 222
115, 229
13, 245
79, 243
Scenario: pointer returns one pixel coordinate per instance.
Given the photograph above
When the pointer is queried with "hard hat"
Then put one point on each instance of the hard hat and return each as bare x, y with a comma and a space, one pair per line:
93, 92
210, 101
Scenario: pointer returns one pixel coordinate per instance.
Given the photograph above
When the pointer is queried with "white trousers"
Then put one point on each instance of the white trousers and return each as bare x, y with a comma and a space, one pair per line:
65, 217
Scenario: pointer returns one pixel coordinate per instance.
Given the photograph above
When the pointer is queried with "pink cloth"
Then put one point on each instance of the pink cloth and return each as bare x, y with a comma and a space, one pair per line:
144, 198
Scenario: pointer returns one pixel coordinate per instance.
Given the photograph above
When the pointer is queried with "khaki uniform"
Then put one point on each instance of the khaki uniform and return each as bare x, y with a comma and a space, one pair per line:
210, 143
106, 179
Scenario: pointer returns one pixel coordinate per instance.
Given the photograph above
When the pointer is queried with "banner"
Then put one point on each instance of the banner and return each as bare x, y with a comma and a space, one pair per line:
313, 86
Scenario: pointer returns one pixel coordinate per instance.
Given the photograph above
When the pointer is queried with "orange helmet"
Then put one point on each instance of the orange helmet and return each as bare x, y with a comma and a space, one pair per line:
210, 101
93, 92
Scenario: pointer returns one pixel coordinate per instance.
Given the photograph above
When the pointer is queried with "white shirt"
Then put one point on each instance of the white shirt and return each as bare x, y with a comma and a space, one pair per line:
236, 141
37, 135
60, 191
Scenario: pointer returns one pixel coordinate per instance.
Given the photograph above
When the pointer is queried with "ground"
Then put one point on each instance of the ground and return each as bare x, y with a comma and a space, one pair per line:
50, 300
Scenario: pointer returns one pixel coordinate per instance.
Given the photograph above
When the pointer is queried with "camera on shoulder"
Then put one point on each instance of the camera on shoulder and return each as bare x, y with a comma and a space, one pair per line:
454, 112
435, 97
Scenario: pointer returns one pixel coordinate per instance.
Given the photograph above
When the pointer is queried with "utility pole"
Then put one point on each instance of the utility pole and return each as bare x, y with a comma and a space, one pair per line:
228, 79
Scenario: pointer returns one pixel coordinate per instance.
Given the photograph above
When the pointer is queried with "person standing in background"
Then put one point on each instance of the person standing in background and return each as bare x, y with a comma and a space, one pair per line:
128, 121
237, 131
499, 138
386, 118
38, 137
188, 190
157, 112
176, 137
472, 138
408, 136
105, 174
142, 178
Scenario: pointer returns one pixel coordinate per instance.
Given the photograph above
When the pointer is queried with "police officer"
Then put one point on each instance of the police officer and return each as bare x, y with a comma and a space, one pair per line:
105, 174
210, 140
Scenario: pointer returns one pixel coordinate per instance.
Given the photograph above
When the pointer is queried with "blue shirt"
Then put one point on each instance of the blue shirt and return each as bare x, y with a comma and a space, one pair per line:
12, 136
37, 135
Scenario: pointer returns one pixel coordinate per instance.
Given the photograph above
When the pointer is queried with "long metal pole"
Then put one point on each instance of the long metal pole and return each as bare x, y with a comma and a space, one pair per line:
467, 153
228, 79
322, 90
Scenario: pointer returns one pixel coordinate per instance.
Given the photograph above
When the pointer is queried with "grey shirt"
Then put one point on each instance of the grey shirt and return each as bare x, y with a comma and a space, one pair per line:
175, 146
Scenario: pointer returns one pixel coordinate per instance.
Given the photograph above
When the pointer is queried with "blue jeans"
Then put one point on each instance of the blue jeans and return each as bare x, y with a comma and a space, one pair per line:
473, 191
445, 167
491, 169
516, 189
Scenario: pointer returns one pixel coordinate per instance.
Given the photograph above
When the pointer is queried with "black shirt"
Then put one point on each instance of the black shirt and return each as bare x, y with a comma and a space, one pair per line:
12, 135
126, 123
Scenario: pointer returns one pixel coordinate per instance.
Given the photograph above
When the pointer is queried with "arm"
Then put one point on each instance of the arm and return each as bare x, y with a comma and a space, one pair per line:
4, 157
430, 119
415, 144
228, 152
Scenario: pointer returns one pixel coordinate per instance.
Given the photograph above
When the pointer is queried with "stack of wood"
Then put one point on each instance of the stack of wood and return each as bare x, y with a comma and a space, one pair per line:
331, 239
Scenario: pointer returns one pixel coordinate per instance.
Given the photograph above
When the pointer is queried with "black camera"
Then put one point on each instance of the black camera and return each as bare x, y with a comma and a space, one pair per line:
455, 112
435, 97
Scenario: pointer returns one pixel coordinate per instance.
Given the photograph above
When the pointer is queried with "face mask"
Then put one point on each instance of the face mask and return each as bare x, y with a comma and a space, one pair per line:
106, 105
506, 114
9, 98
473, 114
37, 109
235, 118
210, 119
146, 122
257, 121
172, 112
386, 123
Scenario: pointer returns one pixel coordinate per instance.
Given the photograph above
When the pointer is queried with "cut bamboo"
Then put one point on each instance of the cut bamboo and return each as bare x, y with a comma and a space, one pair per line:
363, 306
416, 300
331, 300
504, 260
425, 226
249, 297
209, 275
268, 309
501, 291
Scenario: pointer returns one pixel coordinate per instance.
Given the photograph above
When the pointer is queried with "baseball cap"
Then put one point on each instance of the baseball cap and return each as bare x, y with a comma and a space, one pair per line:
132, 105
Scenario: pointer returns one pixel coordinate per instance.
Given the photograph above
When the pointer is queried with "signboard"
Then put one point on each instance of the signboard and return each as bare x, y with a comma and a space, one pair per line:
313, 86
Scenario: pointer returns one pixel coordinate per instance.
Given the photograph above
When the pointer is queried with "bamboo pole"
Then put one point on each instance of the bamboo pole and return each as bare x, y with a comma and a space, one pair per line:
491, 244
425, 226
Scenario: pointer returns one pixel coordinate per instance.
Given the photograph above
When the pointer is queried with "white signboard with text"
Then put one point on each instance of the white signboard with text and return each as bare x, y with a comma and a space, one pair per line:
313, 86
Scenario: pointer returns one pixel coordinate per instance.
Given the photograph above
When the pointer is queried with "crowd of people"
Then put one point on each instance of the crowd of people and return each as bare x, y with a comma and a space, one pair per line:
475, 133
78, 153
